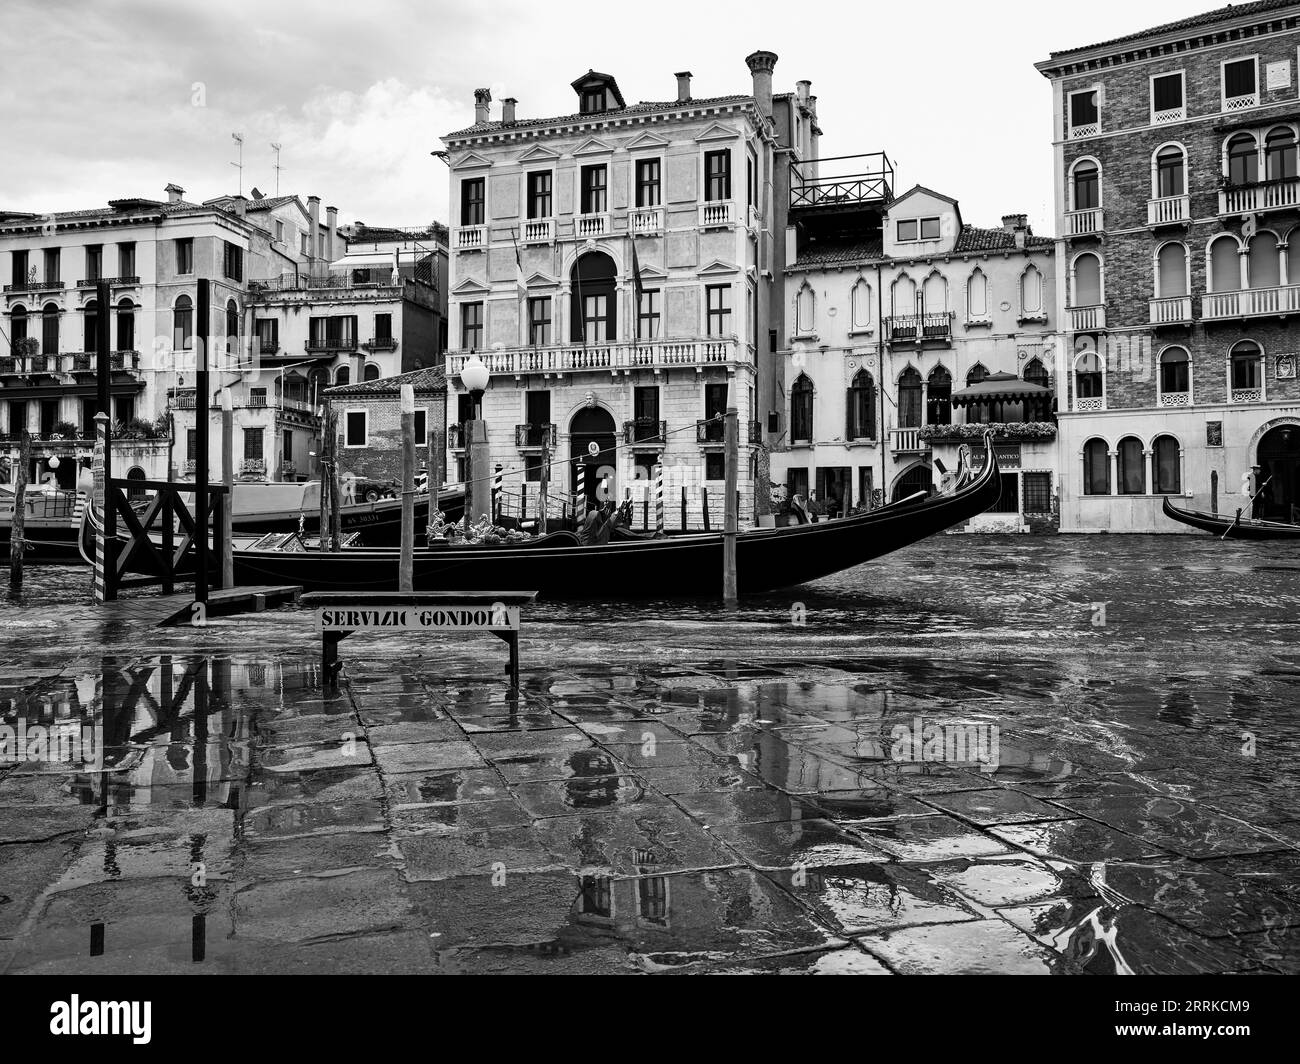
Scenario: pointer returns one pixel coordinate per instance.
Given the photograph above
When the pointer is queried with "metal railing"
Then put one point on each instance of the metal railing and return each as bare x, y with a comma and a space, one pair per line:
914, 328
335, 343
871, 180
532, 436
91, 282
646, 431
381, 343
36, 286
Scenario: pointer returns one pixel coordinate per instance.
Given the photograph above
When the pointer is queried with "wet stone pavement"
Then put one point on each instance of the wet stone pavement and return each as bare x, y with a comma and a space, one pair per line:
1056, 756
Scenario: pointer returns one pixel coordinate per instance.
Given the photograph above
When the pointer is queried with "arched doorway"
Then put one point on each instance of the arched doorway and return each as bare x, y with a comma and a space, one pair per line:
1278, 456
918, 478
593, 426
134, 493
592, 311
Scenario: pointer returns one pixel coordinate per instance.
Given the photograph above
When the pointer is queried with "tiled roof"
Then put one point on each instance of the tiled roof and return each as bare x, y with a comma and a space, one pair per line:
1208, 18
973, 238
126, 205
635, 109
429, 379
835, 254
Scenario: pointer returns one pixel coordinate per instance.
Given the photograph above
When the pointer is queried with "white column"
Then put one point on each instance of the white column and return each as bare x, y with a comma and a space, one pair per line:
1149, 484
1113, 482
1284, 268
1244, 260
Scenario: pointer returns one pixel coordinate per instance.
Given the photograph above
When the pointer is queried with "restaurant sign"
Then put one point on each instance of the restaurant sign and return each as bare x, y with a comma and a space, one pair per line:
1008, 456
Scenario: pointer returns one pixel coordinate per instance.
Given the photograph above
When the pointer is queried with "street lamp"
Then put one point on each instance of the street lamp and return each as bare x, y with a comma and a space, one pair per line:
475, 376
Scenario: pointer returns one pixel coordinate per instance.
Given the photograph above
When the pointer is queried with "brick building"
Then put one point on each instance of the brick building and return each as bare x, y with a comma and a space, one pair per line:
1177, 200
370, 422
554, 215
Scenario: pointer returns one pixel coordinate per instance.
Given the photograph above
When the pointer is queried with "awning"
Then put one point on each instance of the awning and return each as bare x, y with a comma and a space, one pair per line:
371, 260
1000, 388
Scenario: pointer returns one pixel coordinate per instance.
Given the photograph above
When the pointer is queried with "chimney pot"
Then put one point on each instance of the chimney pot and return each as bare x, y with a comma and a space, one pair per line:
760, 66
1012, 222
241, 206
482, 101
174, 193
683, 85
508, 111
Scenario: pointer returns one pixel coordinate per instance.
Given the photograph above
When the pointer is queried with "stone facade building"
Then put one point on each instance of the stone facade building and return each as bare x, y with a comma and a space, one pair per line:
1178, 221
614, 268
370, 422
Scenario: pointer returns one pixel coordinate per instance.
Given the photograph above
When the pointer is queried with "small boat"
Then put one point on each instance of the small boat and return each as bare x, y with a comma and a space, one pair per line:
627, 566
50, 523
1231, 527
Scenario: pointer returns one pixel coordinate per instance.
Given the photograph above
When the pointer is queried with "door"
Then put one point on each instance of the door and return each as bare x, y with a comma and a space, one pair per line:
592, 447
1278, 458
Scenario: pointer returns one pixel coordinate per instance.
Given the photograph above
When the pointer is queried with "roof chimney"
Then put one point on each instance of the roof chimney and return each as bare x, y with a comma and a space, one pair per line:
508, 111
1012, 222
482, 99
331, 239
241, 206
313, 241
683, 85
761, 65
174, 193
802, 89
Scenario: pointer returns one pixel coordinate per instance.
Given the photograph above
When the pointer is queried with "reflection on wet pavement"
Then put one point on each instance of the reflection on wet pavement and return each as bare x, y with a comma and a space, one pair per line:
947, 769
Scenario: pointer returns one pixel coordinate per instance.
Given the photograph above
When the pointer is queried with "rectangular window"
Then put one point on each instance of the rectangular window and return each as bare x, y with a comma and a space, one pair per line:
268, 334
645, 412
94, 262
715, 466
1085, 115
471, 326
539, 194
50, 333
751, 183
126, 260
191, 444
125, 330
533, 468
233, 262
383, 326
717, 175
253, 451
908, 230
257, 397
595, 325
796, 483
648, 190
1240, 83
286, 447
1167, 97
715, 407
594, 189
52, 265
537, 409
279, 232
539, 321
18, 276
866, 482
421, 421
929, 228
355, 422
185, 255
718, 302
1038, 493
305, 244
472, 201
648, 315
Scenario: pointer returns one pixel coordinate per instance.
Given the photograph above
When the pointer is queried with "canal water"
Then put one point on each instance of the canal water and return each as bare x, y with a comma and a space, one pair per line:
1055, 755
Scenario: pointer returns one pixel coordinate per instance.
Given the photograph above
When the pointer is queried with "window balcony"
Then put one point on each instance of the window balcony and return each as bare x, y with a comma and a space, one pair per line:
1172, 114
1175, 399
1251, 303
907, 441
381, 343
1173, 310
1085, 223
1088, 404
456, 437
253, 467
332, 343
469, 238
532, 437
538, 231
1086, 319
604, 357
116, 282
919, 328
1247, 395
711, 431
1169, 210
266, 347
35, 286
645, 221
1241, 103
586, 226
717, 214
1262, 196
1091, 129
189, 466
645, 433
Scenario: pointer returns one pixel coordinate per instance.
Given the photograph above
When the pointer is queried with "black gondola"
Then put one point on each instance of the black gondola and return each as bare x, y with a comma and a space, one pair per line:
378, 522
1231, 527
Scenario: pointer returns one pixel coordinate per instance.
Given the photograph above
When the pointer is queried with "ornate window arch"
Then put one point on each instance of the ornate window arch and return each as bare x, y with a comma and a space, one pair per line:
909, 398
1031, 292
1223, 263
183, 323
1169, 170
1174, 377
1264, 260
934, 293
860, 305
1280, 153
805, 310
1246, 382
1166, 465
977, 296
1173, 275
1131, 466
1089, 381
1096, 467
902, 296
860, 413
938, 397
1087, 280
1241, 158
801, 409
1085, 183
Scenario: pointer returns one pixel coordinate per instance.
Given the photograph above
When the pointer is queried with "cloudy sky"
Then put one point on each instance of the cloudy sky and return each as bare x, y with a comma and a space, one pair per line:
120, 97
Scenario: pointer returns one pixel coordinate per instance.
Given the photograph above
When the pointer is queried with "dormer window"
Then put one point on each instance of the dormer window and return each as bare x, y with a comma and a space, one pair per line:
597, 93
912, 229
593, 100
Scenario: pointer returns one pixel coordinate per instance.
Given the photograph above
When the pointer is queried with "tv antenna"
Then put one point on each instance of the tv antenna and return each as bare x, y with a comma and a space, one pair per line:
276, 148
238, 138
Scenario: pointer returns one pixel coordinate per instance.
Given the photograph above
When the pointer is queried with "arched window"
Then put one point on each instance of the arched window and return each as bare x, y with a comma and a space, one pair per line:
861, 413
1175, 376
938, 401
343, 375
232, 329
125, 325
1280, 154
1096, 468
134, 492
801, 409
17, 326
860, 305
1036, 373
50, 329
1031, 291
183, 324
1171, 271
1087, 281
934, 294
90, 326
909, 399
1243, 160
1264, 268
1171, 171
1088, 383
1131, 471
1225, 265
977, 296
805, 309
1086, 185
370, 373
1247, 367
1165, 466
977, 373
903, 295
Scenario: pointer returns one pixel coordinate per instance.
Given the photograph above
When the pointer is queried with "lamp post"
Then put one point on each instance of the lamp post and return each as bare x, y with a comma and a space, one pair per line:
474, 376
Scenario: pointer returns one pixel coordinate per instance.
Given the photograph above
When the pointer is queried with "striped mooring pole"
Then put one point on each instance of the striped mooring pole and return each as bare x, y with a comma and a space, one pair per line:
659, 498
580, 496
496, 494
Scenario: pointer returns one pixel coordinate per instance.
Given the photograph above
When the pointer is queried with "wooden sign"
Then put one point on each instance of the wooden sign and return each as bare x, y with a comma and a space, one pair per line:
495, 618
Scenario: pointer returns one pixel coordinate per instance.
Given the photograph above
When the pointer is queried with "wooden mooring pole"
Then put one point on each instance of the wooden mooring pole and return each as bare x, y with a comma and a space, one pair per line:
227, 530
17, 528
731, 511
543, 487
406, 564
203, 429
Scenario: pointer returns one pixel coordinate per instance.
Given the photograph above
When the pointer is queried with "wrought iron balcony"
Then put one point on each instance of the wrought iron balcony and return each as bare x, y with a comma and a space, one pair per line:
844, 180
254, 466
381, 343
532, 437
918, 328
646, 432
266, 347
334, 343
116, 282
456, 437
711, 430
36, 286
